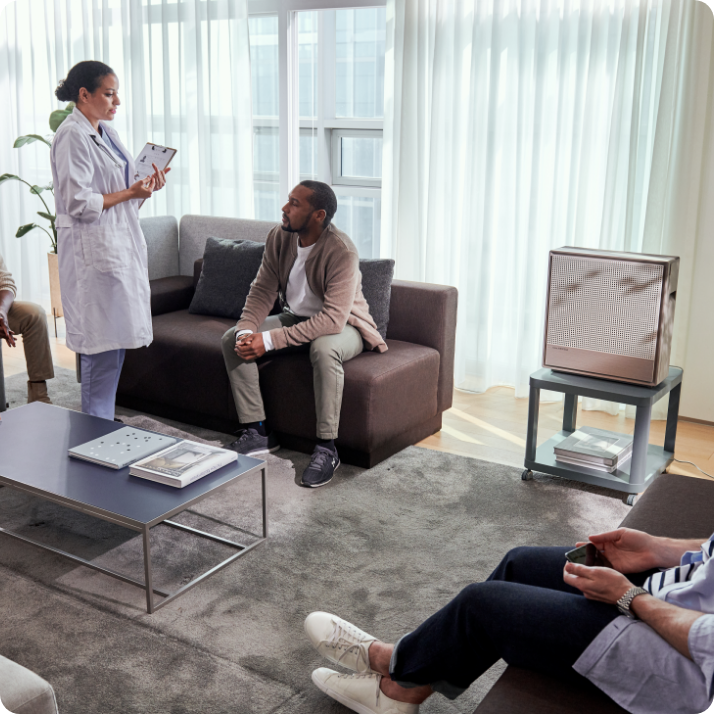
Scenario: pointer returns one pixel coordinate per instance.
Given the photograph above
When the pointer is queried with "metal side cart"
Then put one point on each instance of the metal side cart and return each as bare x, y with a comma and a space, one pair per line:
648, 460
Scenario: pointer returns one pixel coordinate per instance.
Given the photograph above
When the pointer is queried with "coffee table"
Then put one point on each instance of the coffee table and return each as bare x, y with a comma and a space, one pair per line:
34, 440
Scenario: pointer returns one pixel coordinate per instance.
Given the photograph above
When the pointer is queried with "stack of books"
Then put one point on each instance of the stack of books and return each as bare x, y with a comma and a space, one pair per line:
174, 462
596, 449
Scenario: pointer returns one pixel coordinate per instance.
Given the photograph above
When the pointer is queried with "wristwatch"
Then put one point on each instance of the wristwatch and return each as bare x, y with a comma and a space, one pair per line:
623, 604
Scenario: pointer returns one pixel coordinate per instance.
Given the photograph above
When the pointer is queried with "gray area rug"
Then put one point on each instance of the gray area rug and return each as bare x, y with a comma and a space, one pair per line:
383, 548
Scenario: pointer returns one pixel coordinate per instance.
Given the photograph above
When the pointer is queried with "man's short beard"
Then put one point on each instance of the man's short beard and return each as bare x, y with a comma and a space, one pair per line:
302, 228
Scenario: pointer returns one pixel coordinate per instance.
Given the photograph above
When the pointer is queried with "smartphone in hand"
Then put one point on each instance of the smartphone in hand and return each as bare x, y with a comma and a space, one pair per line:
586, 554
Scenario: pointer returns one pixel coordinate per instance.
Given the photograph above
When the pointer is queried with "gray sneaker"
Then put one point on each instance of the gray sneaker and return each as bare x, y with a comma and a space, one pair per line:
323, 464
251, 443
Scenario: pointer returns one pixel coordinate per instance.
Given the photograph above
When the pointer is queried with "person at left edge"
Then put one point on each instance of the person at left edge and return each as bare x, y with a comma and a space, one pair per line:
102, 252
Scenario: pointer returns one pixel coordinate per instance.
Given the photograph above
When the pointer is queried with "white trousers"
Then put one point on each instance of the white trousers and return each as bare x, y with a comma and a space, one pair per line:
100, 378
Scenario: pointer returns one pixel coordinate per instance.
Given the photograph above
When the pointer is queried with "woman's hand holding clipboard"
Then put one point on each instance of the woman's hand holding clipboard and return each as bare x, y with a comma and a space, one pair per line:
153, 162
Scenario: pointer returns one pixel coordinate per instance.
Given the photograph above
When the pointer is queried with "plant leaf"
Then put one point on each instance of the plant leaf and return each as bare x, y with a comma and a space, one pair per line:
58, 116
29, 139
48, 216
39, 189
9, 177
22, 230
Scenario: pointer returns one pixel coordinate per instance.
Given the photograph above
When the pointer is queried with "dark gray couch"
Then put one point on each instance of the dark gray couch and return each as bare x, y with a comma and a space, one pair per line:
390, 400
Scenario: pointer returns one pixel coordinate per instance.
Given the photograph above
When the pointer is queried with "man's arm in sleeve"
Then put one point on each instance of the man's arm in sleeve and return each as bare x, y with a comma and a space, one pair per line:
263, 290
75, 173
337, 305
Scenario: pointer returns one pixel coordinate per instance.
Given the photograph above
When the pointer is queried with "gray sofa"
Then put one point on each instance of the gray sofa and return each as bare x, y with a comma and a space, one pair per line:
390, 400
24, 692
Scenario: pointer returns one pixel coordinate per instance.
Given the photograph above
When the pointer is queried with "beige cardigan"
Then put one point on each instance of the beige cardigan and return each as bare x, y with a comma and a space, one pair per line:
333, 274
6, 281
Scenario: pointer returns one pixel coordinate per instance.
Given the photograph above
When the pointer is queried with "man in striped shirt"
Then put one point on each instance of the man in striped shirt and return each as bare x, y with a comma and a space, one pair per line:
643, 633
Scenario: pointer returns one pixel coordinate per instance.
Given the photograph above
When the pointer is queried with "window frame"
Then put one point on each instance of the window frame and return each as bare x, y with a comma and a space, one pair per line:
338, 177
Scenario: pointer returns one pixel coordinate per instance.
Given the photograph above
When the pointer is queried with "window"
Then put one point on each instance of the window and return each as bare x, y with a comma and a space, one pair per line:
318, 107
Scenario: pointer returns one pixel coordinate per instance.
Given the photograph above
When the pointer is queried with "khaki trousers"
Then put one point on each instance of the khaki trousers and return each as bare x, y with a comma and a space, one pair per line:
327, 354
30, 321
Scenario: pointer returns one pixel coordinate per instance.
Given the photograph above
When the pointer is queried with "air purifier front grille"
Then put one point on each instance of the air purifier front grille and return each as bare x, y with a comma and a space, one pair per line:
610, 306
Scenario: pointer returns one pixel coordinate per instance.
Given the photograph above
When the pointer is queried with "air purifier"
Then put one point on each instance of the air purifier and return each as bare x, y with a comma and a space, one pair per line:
610, 314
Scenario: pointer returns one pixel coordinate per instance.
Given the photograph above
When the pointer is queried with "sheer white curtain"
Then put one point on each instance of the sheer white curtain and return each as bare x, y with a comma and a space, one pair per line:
184, 73
516, 126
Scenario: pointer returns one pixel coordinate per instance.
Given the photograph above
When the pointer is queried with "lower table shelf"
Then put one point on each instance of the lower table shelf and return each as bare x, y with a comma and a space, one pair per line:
658, 459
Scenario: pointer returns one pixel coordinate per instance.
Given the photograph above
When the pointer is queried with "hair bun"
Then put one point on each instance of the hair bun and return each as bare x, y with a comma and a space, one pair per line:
61, 92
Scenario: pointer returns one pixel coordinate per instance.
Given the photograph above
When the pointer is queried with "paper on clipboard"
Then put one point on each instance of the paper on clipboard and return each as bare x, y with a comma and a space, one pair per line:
152, 154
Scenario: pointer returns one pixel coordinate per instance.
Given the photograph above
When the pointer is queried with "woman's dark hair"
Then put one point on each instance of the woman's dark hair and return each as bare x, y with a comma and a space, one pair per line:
84, 74
323, 197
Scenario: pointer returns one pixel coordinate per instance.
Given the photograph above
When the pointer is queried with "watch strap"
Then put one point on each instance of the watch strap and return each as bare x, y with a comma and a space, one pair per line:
623, 604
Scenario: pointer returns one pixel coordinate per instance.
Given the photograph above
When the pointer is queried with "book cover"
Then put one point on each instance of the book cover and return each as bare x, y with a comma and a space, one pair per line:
597, 445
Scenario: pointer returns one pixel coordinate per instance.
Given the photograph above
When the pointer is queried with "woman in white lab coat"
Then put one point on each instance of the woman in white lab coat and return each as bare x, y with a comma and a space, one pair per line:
101, 249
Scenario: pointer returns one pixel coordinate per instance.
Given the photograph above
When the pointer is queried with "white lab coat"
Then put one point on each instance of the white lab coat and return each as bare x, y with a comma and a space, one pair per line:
103, 265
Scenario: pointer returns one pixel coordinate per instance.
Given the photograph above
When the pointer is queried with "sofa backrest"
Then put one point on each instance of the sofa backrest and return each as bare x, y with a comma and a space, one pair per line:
195, 230
162, 241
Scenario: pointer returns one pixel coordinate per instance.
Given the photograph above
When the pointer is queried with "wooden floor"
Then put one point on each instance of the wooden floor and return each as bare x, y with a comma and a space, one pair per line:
490, 426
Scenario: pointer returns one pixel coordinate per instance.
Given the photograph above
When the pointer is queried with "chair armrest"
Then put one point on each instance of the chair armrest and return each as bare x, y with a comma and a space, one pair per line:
425, 314
171, 294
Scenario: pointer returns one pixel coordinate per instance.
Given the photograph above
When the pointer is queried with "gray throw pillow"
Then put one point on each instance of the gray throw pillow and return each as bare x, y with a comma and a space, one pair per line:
229, 267
377, 290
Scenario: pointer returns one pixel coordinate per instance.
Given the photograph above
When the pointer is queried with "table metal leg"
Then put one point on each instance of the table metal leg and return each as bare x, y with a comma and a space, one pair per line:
2, 386
639, 445
147, 571
570, 412
532, 434
670, 434
265, 502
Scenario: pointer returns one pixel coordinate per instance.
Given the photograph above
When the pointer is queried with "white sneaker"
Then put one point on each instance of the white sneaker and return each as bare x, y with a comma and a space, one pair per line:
339, 641
359, 692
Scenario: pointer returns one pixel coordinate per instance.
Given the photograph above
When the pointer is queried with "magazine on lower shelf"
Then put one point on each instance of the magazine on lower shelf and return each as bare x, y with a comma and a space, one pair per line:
183, 463
574, 460
597, 447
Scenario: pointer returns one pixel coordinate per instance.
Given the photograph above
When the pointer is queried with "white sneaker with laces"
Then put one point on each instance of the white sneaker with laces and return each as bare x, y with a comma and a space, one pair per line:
360, 692
339, 641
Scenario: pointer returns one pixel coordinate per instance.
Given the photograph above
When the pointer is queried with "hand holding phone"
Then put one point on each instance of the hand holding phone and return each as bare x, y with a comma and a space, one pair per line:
587, 554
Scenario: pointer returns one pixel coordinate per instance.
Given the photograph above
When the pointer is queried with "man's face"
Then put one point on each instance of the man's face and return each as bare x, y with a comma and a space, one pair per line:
298, 213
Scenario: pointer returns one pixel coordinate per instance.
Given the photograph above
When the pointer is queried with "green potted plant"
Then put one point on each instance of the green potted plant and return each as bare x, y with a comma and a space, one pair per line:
56, 118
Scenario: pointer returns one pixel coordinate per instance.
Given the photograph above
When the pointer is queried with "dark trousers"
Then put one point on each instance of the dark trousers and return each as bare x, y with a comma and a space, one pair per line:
524, 613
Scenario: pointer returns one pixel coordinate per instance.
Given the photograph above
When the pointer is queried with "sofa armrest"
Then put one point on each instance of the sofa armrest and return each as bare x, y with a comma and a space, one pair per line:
425, 314
171, 294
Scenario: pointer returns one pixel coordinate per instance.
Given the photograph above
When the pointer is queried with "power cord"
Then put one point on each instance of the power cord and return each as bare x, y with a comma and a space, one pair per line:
691, 463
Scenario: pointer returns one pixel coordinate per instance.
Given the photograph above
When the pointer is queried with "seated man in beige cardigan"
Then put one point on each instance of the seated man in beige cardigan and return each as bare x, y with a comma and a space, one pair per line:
30, 321
313, 269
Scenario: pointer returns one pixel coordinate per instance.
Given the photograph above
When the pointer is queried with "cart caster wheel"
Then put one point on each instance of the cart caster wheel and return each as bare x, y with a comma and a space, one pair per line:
527, 475
630, 500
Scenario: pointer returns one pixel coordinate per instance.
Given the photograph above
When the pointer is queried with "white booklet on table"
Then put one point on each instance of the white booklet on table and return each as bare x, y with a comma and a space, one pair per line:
183, 463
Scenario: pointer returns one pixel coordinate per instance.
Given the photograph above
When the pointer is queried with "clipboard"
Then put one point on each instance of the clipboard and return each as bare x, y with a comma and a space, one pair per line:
152, 154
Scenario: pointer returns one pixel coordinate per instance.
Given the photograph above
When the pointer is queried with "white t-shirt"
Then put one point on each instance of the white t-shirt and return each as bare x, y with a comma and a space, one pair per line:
300, 298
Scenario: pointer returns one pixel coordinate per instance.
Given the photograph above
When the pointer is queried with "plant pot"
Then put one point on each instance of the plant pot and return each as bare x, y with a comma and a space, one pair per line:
55, 294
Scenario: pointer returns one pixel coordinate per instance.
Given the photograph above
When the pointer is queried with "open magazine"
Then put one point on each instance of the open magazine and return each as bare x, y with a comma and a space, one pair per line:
183, 463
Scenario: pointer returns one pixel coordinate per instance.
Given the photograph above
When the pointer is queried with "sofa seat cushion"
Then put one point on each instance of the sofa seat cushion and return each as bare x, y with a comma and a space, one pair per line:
520, 691
171, 294
183, 367
23, 691
384, 394
396, 387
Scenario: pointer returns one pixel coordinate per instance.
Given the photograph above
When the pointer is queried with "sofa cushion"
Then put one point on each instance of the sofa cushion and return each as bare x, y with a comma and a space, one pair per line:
377, 290
520, 691
170, 294
384, 394
24, 692
229, 268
